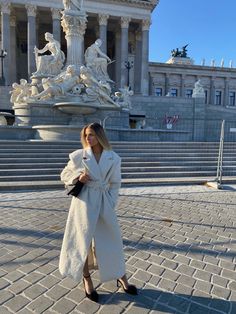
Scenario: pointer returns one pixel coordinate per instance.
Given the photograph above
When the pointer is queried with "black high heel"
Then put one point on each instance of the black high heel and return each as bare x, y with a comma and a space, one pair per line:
93, 296
131, 288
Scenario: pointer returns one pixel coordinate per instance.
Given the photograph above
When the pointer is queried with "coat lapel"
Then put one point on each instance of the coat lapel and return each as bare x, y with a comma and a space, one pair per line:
98, 170
106, 162
90, 163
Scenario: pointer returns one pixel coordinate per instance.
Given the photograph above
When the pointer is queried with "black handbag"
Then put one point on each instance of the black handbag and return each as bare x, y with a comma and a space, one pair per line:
76, 188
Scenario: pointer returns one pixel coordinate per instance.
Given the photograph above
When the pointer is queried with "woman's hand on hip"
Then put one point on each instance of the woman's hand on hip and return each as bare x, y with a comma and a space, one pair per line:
84, 177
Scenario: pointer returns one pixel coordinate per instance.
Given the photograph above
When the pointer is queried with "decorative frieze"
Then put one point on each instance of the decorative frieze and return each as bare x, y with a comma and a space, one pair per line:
31, 10
103, 19
124, 21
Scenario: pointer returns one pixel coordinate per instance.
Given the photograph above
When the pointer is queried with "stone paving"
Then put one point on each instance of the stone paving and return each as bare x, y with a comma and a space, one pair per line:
180, 247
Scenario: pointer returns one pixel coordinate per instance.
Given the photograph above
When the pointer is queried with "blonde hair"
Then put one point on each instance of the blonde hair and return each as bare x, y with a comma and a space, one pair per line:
100, 135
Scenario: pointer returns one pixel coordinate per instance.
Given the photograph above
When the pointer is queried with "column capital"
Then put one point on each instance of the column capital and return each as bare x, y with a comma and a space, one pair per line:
56, 14
13, 20
31, 10
125, 21
6, 6
102, 19
146, 23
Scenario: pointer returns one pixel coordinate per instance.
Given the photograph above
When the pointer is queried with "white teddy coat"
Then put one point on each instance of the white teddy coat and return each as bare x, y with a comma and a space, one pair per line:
92, 216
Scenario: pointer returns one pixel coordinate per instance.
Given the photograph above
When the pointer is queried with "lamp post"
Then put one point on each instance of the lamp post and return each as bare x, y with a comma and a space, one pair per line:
129, 65
3, 54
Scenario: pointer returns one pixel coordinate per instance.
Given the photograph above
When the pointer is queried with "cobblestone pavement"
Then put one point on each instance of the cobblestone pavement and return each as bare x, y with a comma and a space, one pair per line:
180, 247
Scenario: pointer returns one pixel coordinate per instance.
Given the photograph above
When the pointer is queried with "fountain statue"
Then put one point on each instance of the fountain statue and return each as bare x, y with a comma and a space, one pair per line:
49, 64
62, 93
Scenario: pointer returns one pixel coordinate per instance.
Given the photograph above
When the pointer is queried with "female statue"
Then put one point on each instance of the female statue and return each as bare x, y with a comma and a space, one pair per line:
49, 64
97, 61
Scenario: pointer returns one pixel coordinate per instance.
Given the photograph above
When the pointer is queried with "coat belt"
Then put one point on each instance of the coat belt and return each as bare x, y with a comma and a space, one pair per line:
103, 186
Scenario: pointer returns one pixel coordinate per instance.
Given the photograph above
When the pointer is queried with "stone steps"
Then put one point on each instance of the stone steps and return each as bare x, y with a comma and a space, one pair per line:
32, 164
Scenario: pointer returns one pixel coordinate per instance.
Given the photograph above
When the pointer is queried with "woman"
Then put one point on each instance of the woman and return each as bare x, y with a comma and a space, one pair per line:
92, 218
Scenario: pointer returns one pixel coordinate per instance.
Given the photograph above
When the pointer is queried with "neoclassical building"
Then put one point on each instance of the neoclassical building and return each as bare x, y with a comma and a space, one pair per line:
123, 26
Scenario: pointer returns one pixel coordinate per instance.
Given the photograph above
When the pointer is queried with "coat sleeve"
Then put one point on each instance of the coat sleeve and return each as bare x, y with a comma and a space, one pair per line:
115, 179
73, 169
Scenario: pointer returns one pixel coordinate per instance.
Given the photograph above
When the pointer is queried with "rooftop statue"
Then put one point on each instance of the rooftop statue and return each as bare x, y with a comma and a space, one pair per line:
49, 64
97, 61
177, 53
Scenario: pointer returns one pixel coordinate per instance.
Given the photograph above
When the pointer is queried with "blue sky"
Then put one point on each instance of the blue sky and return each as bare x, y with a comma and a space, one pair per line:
208, 26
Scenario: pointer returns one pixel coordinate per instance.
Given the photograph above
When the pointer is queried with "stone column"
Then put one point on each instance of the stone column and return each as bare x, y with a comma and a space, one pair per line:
118, 59
167, 84
31, 37
13, 48
145, 50
226, 92
137, 62
56, 24
5, 10
212, 91
74, 25
182, 89
102, 20
124, 49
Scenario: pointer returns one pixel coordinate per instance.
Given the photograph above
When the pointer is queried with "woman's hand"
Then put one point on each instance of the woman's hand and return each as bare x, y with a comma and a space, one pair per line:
84, 177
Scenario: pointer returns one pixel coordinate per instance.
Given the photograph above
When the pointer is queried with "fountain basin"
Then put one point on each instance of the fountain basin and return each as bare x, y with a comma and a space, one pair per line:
75, 108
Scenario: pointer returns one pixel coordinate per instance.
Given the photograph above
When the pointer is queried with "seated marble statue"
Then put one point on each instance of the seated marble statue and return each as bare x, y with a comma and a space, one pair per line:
20, 91
198, 90
49, 64
97, 61
96, 90
60, 85
73, 5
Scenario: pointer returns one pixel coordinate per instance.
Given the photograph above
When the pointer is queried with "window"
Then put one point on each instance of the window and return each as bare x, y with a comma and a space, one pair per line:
189, 93
218, 97
158, 91
231, 98
174, 92
206, 96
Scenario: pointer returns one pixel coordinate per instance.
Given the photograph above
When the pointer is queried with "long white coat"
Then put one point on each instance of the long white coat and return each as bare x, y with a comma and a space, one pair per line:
92, 216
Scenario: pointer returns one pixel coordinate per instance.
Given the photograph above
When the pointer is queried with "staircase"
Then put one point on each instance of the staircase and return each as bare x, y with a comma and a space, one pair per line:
37, 164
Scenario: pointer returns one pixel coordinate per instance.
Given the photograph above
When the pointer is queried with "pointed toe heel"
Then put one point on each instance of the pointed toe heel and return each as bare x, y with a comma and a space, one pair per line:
130, 290
93, 296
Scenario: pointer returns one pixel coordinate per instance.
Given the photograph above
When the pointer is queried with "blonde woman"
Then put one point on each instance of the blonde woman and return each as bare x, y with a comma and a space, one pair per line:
92, 228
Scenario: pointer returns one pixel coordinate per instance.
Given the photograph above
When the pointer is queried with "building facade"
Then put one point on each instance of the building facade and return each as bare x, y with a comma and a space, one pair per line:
122, 25
178, 80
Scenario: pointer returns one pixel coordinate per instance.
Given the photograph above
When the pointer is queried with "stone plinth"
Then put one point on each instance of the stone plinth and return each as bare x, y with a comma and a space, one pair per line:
180, 60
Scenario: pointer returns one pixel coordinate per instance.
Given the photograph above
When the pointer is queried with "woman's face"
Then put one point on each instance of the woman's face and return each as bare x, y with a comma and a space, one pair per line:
91, 138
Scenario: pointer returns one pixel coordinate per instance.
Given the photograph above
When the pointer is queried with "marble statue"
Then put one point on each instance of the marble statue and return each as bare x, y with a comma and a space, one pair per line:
97, 61
198, 90
123, 97
60, 85
20, 91
73, 5
95, 89
49, 64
